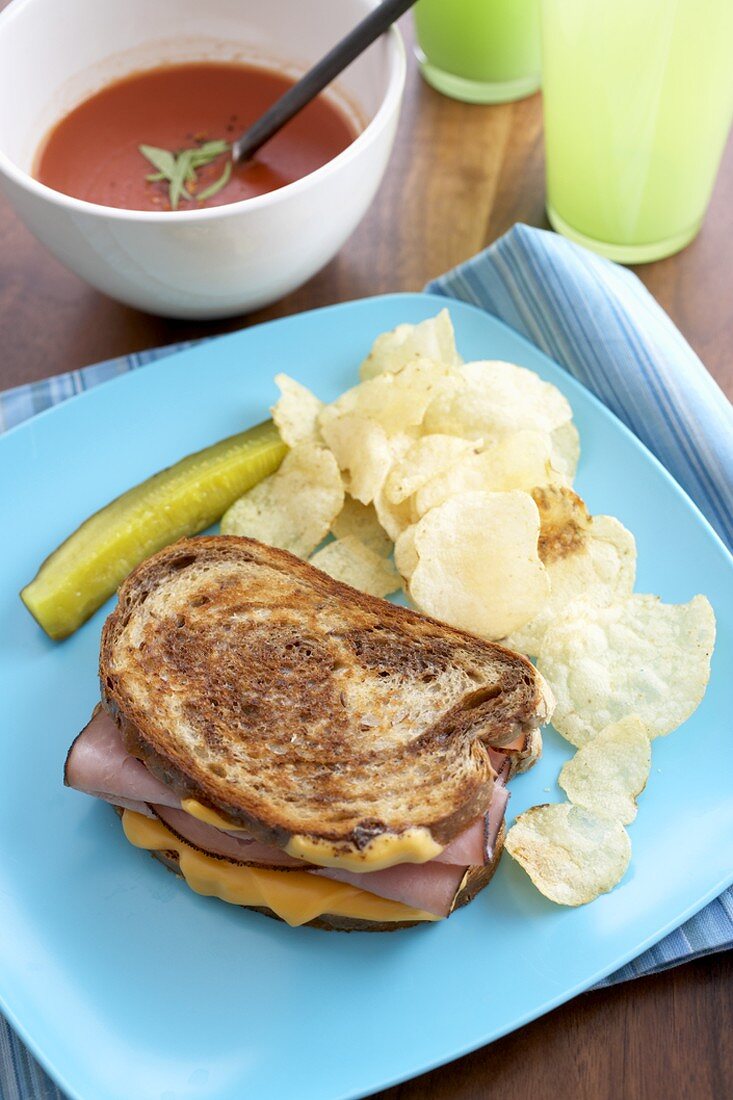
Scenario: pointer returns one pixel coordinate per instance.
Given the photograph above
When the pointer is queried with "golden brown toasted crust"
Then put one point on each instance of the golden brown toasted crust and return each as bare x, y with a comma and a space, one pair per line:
293, 704
522, 759
474, 881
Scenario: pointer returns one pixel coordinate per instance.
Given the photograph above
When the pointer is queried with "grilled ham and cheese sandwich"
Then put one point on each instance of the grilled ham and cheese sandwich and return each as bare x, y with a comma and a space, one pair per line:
289, 744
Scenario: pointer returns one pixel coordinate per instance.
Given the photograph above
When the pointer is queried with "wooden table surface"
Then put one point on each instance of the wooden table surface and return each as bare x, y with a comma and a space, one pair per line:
460, 176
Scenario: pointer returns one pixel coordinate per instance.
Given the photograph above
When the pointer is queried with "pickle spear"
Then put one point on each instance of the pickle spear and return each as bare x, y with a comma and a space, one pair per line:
184, 499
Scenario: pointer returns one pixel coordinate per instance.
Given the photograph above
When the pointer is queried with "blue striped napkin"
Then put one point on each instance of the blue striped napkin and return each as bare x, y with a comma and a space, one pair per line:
598, 320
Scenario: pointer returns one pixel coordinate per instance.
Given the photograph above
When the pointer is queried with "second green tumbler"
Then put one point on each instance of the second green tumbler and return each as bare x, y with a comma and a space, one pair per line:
481, 51
638, 101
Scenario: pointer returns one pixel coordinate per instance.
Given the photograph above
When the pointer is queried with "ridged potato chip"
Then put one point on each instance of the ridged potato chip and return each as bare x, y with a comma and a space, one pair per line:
296, 412
572, 855
351, 562
495, 397
431, 339
564, 521
588, 559
405, 554
428, 457
516, 460
566, 450
397, 401
362, 451
478, 566
639, 656
294, 507
360, 520
608, 773
394, 518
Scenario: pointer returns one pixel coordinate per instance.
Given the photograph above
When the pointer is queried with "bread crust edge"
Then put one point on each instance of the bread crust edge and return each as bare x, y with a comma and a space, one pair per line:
165, 768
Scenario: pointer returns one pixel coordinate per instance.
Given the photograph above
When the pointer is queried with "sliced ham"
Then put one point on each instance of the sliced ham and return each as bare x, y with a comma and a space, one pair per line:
99, 764
475, 845
217, 842
519, 755
429, 886
127, 804
433, 886
469, 847
499, 762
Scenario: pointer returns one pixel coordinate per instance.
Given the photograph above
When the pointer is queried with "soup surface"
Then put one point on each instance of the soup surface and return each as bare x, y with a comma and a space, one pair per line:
94, 152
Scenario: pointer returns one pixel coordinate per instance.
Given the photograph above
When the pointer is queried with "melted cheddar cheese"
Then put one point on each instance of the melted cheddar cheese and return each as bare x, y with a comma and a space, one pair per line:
295, 896
414, 845
203, 813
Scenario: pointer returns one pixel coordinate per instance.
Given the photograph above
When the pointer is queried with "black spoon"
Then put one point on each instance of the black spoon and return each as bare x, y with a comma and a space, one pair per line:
316, 79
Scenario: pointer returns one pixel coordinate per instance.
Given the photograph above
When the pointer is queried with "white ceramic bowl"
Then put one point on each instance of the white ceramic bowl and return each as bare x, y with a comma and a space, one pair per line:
200, 263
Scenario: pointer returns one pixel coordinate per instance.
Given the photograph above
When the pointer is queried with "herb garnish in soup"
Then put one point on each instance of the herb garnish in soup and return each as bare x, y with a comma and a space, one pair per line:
161, 139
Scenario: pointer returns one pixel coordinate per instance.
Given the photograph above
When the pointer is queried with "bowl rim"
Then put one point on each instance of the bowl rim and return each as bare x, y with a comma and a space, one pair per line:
390, 103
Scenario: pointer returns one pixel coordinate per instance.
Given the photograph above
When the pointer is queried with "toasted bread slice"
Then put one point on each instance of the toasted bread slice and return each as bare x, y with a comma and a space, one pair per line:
303, 710
474, 881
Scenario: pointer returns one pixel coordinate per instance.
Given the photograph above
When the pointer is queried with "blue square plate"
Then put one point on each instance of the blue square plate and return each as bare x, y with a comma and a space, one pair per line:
126, 984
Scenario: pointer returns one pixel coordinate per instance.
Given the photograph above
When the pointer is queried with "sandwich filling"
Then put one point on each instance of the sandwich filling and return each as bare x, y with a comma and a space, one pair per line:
225, 861
296, 898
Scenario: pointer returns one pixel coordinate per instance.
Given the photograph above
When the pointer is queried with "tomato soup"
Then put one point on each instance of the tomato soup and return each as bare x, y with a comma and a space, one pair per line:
94, 152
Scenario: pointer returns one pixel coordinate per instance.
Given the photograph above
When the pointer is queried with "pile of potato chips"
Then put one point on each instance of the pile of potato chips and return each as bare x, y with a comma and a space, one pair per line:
454, 481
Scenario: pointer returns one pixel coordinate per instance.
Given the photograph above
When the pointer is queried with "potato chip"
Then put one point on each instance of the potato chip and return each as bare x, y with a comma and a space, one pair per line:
405, 554
571, 854
591, 559
478, 564
351, 562
494, 397
294, 507
431, 339
362, 451
399, 401
639, 656
517, 460
608, 773
394, 518
566, 450
564, 521
296, 412
360, 520
428, 457
395, 401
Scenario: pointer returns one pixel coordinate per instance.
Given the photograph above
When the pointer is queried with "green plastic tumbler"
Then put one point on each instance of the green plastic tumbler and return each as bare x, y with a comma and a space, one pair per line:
638, 102
481, 51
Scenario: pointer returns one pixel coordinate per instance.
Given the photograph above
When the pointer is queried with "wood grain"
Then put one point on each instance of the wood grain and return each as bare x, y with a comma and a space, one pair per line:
460, 176
665, 1037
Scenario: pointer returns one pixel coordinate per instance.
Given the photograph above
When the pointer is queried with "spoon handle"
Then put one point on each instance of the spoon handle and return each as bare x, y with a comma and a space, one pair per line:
316, 79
